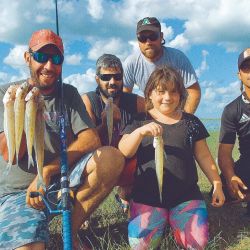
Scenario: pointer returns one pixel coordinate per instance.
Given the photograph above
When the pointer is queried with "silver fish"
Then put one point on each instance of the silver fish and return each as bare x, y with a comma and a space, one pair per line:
159, 161
9, 124
109, 110
39, 142
32, 99
19, 107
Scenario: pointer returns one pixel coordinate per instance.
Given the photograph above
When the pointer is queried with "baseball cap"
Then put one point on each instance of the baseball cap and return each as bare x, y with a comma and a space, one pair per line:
148, 23
244, 55
44, 37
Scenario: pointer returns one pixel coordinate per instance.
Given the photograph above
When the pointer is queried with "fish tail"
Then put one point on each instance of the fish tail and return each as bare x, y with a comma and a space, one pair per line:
161, 197
40, 183
7, 169
30, 162
17, 159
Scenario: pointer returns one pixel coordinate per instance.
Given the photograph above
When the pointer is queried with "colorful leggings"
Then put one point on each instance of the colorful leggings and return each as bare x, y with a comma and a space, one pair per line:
188, 221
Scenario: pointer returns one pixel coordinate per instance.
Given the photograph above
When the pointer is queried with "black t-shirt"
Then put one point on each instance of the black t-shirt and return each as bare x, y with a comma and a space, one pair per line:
180, 173
127, 106
236, 121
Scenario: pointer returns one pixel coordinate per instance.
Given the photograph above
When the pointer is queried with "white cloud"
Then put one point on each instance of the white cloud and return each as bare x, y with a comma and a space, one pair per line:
203, 21
214, 99
204, 66
180, 42
209, 95
15, 58
74, 59
83, 82
42, 19
95, 9
7, 78
111, 46
168, 32
110, 27
4, 77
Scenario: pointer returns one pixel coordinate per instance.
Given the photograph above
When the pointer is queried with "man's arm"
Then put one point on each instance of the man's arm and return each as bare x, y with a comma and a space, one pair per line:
88, 106
127, 90
226, 165
87, 141
102, 128
193, 98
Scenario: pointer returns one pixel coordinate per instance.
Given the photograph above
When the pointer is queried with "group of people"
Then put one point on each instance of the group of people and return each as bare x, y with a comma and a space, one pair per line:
171, 96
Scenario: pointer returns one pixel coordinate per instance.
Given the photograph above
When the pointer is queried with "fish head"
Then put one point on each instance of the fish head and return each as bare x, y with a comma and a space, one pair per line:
157, 141
33, 94
10, 94
22, 90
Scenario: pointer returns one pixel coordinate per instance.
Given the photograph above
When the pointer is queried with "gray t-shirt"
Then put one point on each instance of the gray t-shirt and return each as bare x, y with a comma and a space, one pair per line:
137, 68
76, 120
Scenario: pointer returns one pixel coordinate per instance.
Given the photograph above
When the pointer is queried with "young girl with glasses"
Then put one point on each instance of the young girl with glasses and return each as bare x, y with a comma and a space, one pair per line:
184, 138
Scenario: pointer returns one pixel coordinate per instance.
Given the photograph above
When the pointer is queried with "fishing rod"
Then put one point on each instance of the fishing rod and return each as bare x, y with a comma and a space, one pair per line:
65, 201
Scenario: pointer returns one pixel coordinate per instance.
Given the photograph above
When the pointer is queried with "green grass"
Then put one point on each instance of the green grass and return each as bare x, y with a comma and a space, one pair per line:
229, 229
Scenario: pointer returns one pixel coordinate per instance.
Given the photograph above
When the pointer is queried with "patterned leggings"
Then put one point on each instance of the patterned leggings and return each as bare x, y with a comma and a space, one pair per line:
188, 221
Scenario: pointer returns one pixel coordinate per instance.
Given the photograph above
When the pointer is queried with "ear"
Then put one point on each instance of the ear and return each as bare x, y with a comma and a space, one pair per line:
150, 95
27, 57
161, 35
239, 75
97, 79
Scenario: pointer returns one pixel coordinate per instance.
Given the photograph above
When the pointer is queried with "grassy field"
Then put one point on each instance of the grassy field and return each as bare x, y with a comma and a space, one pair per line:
229, 228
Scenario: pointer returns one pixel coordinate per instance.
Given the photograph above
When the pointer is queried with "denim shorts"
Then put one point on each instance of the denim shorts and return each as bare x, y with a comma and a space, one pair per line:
21, 224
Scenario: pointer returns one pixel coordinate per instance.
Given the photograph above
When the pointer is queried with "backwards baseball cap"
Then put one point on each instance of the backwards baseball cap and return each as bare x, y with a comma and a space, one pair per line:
45, 37
148, 23
244, 55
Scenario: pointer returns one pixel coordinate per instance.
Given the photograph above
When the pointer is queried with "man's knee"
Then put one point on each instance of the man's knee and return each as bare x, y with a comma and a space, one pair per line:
109, 163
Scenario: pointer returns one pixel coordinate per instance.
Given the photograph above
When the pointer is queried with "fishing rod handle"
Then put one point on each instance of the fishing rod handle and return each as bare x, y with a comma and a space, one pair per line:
67, 234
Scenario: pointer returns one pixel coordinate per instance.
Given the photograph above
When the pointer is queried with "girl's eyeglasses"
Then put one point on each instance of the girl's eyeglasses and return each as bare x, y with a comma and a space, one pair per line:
42, 57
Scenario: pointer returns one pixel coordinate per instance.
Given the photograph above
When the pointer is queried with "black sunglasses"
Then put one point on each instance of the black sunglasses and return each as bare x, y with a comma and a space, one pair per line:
107, 77
152, 37
42, 57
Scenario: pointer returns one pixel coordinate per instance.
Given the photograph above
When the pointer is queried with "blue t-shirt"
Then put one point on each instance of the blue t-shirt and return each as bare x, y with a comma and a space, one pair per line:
137, 68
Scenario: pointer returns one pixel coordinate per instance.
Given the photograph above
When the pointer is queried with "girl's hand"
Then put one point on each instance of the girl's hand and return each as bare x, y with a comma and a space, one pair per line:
151, 129
218, 197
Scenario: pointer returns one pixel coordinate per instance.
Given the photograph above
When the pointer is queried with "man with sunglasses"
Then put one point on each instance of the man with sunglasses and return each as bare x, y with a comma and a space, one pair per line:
139, 66
235, 122
23, 222
109, 78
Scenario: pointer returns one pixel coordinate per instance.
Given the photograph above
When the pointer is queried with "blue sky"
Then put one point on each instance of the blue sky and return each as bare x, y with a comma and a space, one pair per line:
210, 33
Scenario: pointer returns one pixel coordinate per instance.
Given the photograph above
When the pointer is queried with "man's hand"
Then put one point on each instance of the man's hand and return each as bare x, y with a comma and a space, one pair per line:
36, 202
235, 186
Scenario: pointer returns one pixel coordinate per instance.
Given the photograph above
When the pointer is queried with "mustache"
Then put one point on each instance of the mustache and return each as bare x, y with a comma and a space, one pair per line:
45, 71
112, 86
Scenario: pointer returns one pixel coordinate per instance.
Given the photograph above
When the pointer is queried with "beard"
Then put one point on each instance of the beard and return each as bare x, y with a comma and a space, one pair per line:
38, 84
152, 52
115, 94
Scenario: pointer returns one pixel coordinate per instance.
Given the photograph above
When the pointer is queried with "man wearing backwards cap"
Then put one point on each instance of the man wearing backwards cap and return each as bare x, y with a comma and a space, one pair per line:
23, 223
139, 66
236, 121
